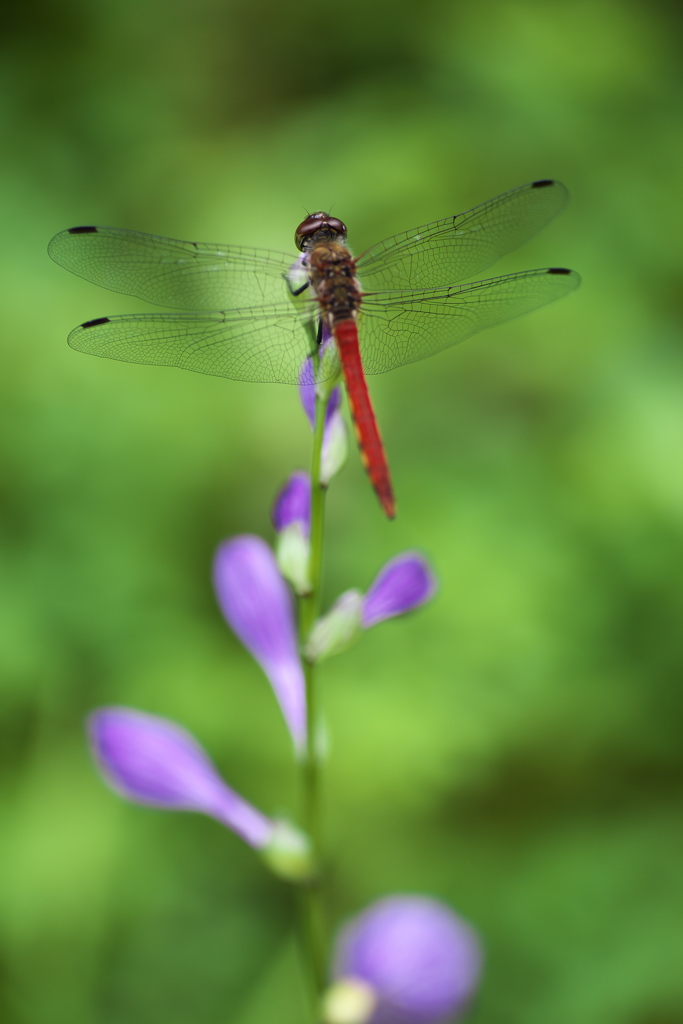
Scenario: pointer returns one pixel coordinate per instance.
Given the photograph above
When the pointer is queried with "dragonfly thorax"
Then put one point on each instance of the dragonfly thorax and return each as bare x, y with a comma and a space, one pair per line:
333, 275
318, 228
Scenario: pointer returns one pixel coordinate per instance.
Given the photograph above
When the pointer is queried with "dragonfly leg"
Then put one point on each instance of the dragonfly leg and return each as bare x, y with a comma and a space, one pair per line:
297, 291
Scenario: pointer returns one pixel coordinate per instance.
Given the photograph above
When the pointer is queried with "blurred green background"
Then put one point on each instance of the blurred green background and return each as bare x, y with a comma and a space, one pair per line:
514, 748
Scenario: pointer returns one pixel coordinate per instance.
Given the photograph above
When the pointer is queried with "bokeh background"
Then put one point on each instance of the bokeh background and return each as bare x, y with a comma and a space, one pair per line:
514, 748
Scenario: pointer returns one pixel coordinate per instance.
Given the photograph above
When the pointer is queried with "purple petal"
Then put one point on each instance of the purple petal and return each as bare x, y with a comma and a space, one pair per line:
307, 390
153, 761
422, 961
307, 385
257, 604
293, 503
403, 584
307, 394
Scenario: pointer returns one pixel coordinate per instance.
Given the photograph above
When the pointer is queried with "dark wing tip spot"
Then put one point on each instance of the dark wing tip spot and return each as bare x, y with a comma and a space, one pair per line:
543, 183
558, 270
95, 323
81, 231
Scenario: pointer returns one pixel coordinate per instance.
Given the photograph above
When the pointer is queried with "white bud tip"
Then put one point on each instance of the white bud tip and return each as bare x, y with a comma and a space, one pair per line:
349, 1001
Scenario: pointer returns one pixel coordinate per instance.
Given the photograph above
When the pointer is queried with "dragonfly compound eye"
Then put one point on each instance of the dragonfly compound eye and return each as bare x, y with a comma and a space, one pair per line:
318, 227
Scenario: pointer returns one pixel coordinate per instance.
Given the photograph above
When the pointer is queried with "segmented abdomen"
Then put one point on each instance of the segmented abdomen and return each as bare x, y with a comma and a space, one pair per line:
367, 431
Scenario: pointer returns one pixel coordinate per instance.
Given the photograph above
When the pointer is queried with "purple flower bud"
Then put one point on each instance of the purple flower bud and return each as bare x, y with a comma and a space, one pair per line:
258, 606
335, 444
307, 385
292, 520
419, 958
307, 395
150, 760
293, 503
403, 584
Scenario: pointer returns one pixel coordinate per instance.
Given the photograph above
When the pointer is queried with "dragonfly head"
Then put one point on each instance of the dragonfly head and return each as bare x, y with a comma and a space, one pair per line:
319, 227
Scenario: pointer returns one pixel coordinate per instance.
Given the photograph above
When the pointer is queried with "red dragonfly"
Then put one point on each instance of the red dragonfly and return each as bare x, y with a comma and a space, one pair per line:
256, 316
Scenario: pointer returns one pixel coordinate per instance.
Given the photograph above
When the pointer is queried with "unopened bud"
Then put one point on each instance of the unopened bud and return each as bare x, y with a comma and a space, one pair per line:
420, 960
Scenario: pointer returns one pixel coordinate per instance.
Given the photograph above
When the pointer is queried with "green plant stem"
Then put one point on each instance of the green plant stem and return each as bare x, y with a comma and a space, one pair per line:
312, 893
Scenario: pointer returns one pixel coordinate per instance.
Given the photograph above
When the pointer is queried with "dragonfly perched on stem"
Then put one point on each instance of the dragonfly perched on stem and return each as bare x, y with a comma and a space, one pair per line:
258, 316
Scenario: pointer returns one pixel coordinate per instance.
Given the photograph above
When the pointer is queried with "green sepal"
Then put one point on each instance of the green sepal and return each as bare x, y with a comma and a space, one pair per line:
337, 630
335, 449
289, 854
293, 554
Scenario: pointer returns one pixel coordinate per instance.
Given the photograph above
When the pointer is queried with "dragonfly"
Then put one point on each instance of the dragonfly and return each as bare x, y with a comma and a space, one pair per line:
253, 314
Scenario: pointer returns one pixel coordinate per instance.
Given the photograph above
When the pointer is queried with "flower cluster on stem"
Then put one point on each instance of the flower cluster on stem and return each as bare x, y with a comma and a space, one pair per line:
407, 960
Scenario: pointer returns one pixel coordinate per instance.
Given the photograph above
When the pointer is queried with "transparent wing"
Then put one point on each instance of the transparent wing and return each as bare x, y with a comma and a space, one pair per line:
165, 271
396, 328
455, 248
269, 344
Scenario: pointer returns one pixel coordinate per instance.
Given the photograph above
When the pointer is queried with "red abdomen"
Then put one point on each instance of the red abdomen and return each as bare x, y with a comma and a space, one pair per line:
367, 431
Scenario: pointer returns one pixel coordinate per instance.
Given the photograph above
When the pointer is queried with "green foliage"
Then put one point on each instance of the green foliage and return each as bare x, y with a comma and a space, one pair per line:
515, 747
